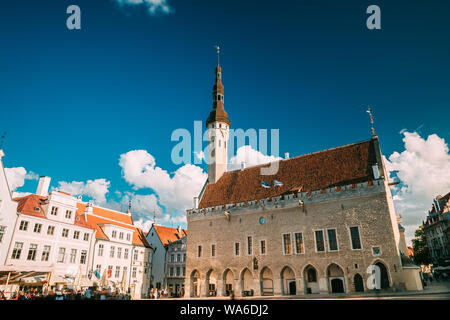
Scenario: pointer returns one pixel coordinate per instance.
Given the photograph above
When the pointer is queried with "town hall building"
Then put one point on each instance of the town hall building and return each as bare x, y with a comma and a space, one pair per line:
314, 226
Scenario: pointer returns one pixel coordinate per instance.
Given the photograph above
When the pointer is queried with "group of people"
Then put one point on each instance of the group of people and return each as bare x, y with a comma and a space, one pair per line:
91, 293
435, 276
158, 293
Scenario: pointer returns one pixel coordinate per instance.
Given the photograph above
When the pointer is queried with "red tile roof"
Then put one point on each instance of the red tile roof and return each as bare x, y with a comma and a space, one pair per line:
333, 167
28, 205
103, 216
167, 234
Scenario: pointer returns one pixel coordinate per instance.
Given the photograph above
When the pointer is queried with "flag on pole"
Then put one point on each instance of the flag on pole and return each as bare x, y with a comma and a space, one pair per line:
265, 184
109, 273
97, 274
277, 183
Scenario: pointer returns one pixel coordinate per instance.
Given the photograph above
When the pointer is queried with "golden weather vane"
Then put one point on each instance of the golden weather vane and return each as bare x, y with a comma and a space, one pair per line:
371, 120
218, 52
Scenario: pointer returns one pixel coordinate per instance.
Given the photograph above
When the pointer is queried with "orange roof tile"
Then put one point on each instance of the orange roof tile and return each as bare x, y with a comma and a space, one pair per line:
27, 205
167, 234
333, 167
103, 216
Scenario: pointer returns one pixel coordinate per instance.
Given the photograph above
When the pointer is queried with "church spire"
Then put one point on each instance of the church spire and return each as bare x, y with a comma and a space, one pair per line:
218, 112
218, 126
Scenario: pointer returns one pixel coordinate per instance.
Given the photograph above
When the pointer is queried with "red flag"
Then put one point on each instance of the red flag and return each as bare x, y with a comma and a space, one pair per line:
109, 273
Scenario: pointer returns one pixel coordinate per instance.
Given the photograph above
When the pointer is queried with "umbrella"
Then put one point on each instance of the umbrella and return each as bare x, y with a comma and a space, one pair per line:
77, 281
124, 281
104, 281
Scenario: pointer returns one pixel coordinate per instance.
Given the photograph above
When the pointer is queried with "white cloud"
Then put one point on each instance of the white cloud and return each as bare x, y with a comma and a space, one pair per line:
423, 169
95, 189
174, 192
153, 6
17, 176
16, 194
145, 225
250, 156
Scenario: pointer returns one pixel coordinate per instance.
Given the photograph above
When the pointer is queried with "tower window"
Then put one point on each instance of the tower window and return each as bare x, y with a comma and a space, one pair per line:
219, 142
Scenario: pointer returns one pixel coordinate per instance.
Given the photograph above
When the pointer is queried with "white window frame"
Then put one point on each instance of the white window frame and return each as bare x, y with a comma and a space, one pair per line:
373, 254
283, 249
350, 238
52, 228
324, 240
39, 225
46, 253
265, 246
54, 211
246, 246
25, 224
328, 240
234, 249
295, 242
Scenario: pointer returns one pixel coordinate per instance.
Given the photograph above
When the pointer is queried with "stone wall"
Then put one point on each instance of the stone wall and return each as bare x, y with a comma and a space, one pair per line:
364, 205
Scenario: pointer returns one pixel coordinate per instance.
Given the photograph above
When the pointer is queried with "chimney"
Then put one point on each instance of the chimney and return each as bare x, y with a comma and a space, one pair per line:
286, 155
242, 165
44, 183
88, 210
195, 202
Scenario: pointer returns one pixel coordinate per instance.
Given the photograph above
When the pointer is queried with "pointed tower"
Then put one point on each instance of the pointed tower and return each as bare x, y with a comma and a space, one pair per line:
218, 126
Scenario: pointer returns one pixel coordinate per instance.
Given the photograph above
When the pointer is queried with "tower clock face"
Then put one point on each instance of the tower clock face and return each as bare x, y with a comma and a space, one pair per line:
262, 220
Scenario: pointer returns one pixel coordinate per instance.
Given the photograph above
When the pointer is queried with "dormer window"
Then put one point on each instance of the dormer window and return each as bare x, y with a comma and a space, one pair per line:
128, 237
114, 233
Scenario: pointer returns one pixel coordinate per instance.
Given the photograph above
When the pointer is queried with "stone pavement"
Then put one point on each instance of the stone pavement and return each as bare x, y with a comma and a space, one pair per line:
441, 288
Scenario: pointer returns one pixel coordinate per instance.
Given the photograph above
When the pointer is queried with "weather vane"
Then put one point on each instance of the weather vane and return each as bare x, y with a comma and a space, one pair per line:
371, 120
218, 51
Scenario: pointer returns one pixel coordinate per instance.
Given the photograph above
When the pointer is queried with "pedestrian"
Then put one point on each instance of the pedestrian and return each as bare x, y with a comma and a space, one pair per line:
88, 294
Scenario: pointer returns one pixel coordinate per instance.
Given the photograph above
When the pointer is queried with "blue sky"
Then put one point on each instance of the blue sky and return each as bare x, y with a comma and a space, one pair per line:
74, 101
